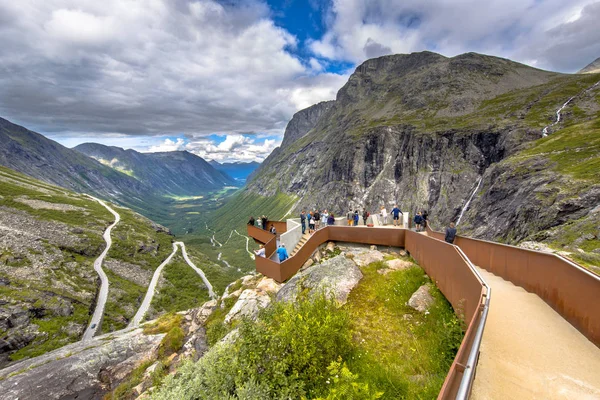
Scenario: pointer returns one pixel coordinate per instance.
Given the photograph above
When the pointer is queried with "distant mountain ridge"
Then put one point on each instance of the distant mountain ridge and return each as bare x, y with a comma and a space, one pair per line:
591, 68
176, 172
35, 155
237, 170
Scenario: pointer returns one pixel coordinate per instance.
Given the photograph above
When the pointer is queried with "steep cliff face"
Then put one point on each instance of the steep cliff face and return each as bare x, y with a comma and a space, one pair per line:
303, 121
423, 130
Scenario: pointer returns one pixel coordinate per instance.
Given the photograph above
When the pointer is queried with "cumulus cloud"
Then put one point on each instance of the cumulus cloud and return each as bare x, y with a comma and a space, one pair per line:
151, 67
553, 34
168, 145
243, 148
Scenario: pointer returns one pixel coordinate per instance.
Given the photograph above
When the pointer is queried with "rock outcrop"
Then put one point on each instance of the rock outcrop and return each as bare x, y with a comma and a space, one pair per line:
335, 277
421, 300
79, 370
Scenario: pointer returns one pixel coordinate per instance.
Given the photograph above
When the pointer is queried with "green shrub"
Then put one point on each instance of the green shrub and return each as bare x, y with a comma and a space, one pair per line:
344, 385
284, 354
172, 342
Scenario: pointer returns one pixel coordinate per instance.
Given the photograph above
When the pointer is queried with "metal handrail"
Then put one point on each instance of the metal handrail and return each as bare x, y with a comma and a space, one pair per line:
468, 377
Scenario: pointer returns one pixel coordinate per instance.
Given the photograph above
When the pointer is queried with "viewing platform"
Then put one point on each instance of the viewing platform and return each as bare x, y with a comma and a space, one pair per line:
539, 338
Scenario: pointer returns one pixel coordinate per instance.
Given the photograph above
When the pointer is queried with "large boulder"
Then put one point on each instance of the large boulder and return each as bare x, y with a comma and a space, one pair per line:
421, 300
368, 257
336, 277
250, 302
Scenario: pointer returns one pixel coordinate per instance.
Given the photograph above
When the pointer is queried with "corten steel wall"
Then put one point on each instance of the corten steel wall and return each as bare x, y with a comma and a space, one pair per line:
442, 262
456, 280
568, 288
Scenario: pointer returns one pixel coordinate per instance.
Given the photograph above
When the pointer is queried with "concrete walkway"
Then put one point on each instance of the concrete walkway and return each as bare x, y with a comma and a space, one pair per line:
530, 352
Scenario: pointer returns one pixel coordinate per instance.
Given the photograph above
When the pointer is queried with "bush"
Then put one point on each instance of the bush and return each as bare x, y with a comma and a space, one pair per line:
284, 354
172, 342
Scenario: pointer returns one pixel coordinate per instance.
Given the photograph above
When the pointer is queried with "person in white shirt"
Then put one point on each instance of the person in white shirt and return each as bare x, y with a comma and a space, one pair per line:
383, 215
261, 251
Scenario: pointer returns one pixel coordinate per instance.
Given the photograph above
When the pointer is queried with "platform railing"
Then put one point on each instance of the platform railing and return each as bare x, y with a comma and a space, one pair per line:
445, 264
568, 288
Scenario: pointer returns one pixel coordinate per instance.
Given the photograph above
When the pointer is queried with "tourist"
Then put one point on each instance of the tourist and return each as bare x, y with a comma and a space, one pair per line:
418, 222
425, 215
356, 217
317, 218
350, 218
251, 221
264, 222
261, 251
396, 215
331, 219
324, 218
365, 216
259, 223
282, 253
273, 230
303, 221
311, 222
450, 233
383, 215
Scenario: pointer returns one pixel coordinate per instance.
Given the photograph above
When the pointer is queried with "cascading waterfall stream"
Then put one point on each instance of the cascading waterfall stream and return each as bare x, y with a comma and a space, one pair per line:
468, 203
545, 130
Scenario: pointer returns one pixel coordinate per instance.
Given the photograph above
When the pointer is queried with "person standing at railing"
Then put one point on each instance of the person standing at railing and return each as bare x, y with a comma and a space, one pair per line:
324, 217
425, 215
273, 230
383, 216
365, 216
303, 221
311, 222
396, 214
450, 233
350, 218
356, 217
251, 221
261, 251
317, 218
331, 219
418, 221
282, 253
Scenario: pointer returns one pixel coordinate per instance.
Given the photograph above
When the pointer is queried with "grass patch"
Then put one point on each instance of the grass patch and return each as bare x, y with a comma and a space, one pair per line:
183, 289
163, 324
404, 357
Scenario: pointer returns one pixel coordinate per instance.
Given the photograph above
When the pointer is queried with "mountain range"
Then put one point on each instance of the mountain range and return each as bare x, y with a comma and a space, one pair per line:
126, 177
430, 132
176, 173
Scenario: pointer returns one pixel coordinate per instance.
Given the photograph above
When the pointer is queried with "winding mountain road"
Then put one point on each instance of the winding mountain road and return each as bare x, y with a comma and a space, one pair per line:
96, 320
139, 315
211, 293
151, 290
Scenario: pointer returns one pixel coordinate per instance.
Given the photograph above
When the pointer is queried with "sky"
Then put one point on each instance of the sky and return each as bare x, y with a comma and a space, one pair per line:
221, 79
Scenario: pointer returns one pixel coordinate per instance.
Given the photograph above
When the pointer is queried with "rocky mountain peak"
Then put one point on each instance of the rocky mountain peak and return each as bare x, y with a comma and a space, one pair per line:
592, 68
303, 121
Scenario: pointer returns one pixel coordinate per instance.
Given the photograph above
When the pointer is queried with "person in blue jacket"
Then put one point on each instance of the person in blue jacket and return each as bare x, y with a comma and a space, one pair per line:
303, 221
418, 221
396, 215
282, 253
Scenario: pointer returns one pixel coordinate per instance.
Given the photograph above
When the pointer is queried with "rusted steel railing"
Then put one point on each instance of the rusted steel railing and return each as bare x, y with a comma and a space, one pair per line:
568, 288
445, 264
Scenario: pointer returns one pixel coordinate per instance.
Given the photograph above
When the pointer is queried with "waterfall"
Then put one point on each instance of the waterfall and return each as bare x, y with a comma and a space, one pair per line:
469, 201
545, 130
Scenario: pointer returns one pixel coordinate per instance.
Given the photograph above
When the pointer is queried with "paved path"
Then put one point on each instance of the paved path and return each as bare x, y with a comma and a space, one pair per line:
139, 316
530, 352
211, 293
102, 296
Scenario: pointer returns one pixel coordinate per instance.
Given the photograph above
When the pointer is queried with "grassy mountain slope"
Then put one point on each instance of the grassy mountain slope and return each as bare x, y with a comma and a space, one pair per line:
175, 173
49, 239
422, 129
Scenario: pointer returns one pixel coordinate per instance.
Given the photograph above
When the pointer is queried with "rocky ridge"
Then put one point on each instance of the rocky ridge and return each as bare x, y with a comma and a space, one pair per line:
423, 130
